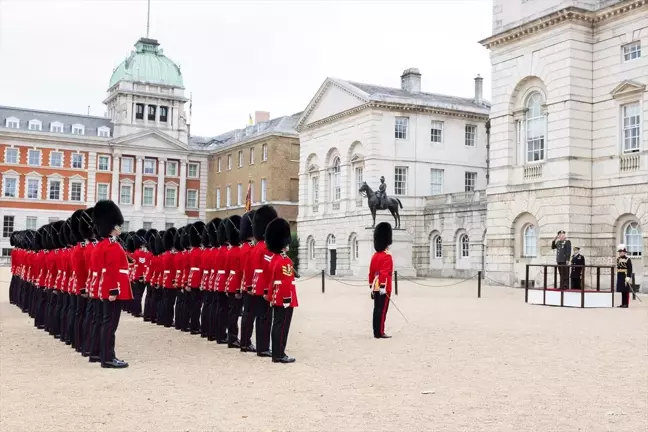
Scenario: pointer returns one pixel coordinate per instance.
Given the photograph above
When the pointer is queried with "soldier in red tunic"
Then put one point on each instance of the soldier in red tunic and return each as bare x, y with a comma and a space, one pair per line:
247, 266
211, 267
80, 271
181, 313
114, 286
233, 283
380, 277
283, 295
222, 271
194, 276
208, 295
169, 277
149, 241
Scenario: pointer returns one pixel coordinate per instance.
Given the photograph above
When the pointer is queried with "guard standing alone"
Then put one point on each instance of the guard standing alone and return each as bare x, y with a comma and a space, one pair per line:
380, 277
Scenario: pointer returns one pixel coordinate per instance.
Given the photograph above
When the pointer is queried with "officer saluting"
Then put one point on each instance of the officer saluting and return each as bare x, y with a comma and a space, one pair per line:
380, 277
624, 276
577, 270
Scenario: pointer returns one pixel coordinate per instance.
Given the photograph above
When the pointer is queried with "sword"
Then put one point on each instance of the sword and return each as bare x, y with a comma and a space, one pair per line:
634, 293
399, 311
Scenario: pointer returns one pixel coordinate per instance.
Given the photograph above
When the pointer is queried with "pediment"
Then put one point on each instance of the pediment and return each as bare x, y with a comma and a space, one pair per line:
171, 183
357, 158
151, 140
149, 183
126, 180
33, 174
55, 175
332, 98
10, 173
77, 177
628, 88
313, 168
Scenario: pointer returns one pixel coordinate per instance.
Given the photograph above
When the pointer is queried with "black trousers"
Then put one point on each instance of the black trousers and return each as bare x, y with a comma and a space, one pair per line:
169, 305
95, 317
205, 316
111, 311
564, 275
280, 328
625, 298
69, 320
138, 293
575, 282
63, 303
40, 302
262, 322
381, 304
222, 309
235, 305
158, 298
213, 317
53, 309
247, 321
180, 309
148, 303
79, 322
196, 300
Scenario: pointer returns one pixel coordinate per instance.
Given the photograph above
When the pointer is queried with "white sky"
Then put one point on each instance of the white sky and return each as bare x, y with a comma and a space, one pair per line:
239, 56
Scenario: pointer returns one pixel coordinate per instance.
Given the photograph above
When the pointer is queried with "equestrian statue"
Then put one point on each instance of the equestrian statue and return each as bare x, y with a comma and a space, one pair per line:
380, 201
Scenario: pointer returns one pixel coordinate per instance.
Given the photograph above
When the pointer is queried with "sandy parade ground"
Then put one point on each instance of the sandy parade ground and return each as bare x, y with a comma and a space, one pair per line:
458, 363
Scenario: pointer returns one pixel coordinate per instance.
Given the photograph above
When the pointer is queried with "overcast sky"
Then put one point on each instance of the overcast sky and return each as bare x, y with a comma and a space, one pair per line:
238, 56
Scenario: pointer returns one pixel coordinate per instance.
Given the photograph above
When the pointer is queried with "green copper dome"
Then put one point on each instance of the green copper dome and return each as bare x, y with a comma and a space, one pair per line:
147, 64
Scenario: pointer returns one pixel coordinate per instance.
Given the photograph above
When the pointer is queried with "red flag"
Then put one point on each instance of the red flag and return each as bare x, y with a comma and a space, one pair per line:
248, 197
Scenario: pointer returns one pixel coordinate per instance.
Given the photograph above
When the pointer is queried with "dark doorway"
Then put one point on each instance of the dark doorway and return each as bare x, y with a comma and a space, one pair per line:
332, 262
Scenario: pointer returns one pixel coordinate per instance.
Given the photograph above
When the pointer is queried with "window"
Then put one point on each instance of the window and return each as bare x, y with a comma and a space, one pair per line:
436, 133
78, 129
104, 163
218, 198
535, 129
102, 191
400, 181
139, 111
192, 199
219, 164
147, 225
464, 246
35, 125
76, 191
437, 247
264, 152
164, 113
252, 156
33, 157
264, 190
56, 159
127, 165
315, 189
239, 194
7, 226
126, 194
10, 187
631, 51
33, 189
633, 240
103, 131
311, 249
12, 122
151, 112
148, 195
470, 179
172, 169
240, 158
170, 195
77, 160
436, 183
6, 252
334, 181
54, 190
192, 171
530, 241
631, 127
359, 179
400, 129
471, 135
149, 166
168, 225
31, 222
229, 161
56, 127
11, 156
355, 248
228, 197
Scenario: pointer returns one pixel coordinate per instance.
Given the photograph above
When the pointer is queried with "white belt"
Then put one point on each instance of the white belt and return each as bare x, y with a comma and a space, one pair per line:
194, 269
277, 282
94, 273
258, 271
221, 271
167, 271
124, 271
232, 272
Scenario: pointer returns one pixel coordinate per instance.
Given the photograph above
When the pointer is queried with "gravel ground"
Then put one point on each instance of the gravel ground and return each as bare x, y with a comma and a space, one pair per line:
459, 364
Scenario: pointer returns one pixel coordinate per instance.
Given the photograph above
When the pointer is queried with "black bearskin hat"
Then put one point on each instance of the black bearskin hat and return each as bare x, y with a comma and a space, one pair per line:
75, 221
138, 240
86, 224
124, 237
38, 239
277, 235
221, 234
246, 225
159, 243
63, 234
150, 243
195, 233
262, 218
130, 244
169, 238
205, 238
55, 234
107, 216
12, 239
382, 236
150, 233
186, 241
232, 230
30, 239
212, 230
178, 239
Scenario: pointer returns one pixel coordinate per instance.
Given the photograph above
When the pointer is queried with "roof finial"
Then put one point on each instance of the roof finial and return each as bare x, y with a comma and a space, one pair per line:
148, 19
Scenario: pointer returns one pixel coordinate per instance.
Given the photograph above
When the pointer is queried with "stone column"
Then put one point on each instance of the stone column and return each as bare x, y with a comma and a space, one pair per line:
138, 183
160, 186
115, 178
91, 185
157, 116
182, 198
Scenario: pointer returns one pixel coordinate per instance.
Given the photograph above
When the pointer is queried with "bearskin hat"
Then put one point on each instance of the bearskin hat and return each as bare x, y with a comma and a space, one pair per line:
75, 222
150, 233
169, 238
277, 235
382, 236
159, 243
178, 239
186, 241
212, 230
30, 239
107, 216
150, 243
222, 234
63, 235
55, 234
232, 230
124, 237
262, 217
195, 233
246, 225
130, 244
12, 239
38, 239
138, 239
86, 224
205, 238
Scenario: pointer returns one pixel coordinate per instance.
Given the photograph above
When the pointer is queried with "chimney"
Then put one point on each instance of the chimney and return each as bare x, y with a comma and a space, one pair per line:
261, 116
411, 80
479, 90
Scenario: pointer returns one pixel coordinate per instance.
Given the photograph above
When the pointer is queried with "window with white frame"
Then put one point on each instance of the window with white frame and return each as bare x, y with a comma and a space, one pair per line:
530, 239
315, 190
218, 198
633, 239
400, 127
11, 155
147, 225
264, 152
436, 132
192, 198
7, 226
31, 222
400, 181
56, 159
240, 155
436, 181
359, 179
172, 169
126, 194
102, 191
192, 170
437, 247
34, 157
35, 125
151, 112
164, 113
311, 249
12, 123
77, 160
78, 129
464, 246
171, 196
228, 197
471, 135
127, 165
334, 181
264, 190
103, 163
148, 195
76, 191
149, 166
10, 189
631, 127
54, 189
251, 155
33, 188
229, 161
535, 128
631, 51
239, 194
219, 164
56, 127
470, 179
103, 131
355, 248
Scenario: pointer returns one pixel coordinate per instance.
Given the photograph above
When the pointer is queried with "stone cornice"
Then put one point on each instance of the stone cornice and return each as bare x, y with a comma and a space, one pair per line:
572, 15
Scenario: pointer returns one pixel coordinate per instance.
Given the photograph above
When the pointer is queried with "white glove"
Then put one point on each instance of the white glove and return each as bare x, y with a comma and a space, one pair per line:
383, 291
628, 280
286, 305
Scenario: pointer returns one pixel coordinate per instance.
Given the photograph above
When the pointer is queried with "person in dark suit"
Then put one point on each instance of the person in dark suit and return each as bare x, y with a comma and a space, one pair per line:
563, 253
577, 269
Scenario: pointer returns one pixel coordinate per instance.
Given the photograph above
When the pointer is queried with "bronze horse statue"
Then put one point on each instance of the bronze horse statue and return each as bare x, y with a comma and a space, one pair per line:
373, 202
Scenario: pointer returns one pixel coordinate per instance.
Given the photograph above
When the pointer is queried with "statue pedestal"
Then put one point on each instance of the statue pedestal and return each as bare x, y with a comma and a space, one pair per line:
401, 250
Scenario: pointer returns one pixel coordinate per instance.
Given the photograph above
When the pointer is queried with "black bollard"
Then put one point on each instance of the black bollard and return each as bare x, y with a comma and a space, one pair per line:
396, 282
322, 281
479, 279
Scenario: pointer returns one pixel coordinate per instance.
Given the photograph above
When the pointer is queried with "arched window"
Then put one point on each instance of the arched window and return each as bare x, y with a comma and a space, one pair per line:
530, 241
354, 244
632, 239
464, 246
311, 249
535, 128
437, 248
331, 241
334, 180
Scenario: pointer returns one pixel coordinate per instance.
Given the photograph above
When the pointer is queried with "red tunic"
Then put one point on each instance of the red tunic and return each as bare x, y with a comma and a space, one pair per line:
222, 269
169, 264
247, 264
234, 278
95, 267
262, 279
283, 282
87, 254
79, 268
205, 265
142, 261
380, 271
42, 270
195, 267
114, 270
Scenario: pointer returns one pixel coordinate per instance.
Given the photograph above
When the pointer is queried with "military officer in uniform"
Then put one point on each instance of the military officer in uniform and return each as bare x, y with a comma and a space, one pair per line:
577, 269
624, 276
563, 252
380, 277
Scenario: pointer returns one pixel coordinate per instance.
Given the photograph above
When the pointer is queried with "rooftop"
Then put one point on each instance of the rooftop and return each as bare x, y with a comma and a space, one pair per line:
91, 124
